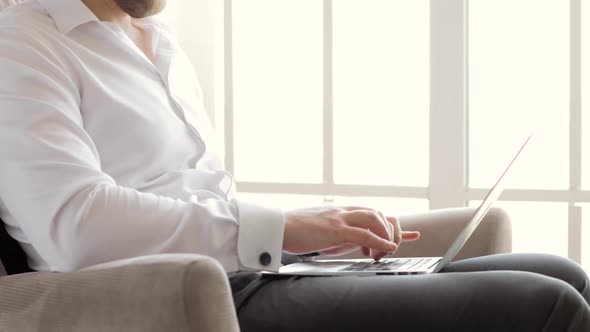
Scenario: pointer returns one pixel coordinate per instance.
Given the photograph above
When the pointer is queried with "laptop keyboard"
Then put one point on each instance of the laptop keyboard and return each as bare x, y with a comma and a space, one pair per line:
389, 265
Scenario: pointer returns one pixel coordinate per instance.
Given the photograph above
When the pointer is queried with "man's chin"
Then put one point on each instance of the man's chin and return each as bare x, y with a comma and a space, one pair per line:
141, 8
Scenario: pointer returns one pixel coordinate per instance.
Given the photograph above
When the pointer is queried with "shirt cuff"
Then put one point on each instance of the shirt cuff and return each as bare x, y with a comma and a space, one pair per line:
260, 237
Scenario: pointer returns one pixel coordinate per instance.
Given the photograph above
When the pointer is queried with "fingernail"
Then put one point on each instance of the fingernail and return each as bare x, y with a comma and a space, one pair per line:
394, 246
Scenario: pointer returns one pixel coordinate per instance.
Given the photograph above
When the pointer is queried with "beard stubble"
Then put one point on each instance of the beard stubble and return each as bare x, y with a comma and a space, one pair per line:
141, 8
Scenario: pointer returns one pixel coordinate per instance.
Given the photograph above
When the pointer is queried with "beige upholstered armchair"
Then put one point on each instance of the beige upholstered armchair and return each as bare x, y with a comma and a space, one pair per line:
178, 292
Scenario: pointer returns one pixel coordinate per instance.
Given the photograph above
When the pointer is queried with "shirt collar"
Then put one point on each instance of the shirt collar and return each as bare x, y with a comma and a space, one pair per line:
68, 14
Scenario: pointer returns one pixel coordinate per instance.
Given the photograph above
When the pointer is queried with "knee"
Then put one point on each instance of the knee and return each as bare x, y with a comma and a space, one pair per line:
569, 310
576, 276
568, 271
553, 266
547, 303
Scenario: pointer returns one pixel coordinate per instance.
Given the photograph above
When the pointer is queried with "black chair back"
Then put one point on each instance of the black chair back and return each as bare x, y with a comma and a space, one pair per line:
12, 255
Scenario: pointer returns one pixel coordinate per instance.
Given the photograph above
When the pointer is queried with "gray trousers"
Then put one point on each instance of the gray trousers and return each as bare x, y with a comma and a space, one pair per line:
507, 292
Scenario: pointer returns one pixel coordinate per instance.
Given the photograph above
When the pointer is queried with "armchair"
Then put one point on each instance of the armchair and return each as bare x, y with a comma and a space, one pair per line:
179, 292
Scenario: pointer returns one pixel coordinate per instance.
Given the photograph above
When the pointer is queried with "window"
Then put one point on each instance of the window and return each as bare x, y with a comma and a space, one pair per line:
278, 90
522, 79
388, 205
519, 84
537, 227
381, 95
414, 105
318, 95
392, 206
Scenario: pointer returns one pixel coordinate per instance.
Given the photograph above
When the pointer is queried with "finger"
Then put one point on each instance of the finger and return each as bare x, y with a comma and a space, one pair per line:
366, 251
354, 208
390, 228
366, 238
397, 236
368, 219
377, 255
408, 236
345, 249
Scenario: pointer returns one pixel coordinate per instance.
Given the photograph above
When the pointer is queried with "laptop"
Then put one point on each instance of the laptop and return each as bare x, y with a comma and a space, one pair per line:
402, 266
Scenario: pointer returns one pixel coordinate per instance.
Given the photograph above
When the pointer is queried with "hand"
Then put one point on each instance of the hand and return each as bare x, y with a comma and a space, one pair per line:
335, 230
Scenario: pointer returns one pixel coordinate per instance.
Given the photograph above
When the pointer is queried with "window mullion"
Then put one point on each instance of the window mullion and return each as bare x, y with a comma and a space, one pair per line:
228, 74
447, 103
328, 107
576, 96
575, 213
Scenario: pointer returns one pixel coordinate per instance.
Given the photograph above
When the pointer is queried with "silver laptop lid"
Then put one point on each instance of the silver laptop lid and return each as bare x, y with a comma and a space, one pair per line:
478, 215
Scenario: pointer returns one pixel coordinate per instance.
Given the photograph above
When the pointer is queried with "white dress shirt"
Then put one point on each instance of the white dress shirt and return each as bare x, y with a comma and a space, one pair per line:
106, 155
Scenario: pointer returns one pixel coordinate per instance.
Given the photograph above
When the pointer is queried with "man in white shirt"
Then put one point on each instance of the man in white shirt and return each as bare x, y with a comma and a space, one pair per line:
107, 153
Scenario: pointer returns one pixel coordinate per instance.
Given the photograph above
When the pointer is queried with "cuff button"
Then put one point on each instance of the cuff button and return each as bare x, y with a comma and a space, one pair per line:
265, 259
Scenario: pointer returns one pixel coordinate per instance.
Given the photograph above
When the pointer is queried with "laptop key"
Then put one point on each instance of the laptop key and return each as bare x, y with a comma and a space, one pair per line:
360, 266
415, 263
422, 264
387, 265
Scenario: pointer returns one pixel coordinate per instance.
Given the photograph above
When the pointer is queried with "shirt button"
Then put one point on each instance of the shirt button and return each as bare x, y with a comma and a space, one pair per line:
265, 259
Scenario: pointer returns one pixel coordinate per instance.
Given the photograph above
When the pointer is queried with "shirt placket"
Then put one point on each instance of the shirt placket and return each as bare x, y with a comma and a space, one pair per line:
164, 55
164, 64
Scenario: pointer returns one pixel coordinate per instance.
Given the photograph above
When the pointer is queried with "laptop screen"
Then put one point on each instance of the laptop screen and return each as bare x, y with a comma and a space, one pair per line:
478, 215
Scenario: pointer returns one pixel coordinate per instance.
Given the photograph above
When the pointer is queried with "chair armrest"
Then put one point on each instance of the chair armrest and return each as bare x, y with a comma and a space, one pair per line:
152, 293
440, 228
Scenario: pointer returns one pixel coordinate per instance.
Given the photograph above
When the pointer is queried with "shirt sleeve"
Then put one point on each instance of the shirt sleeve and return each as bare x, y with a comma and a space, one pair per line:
73, 213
